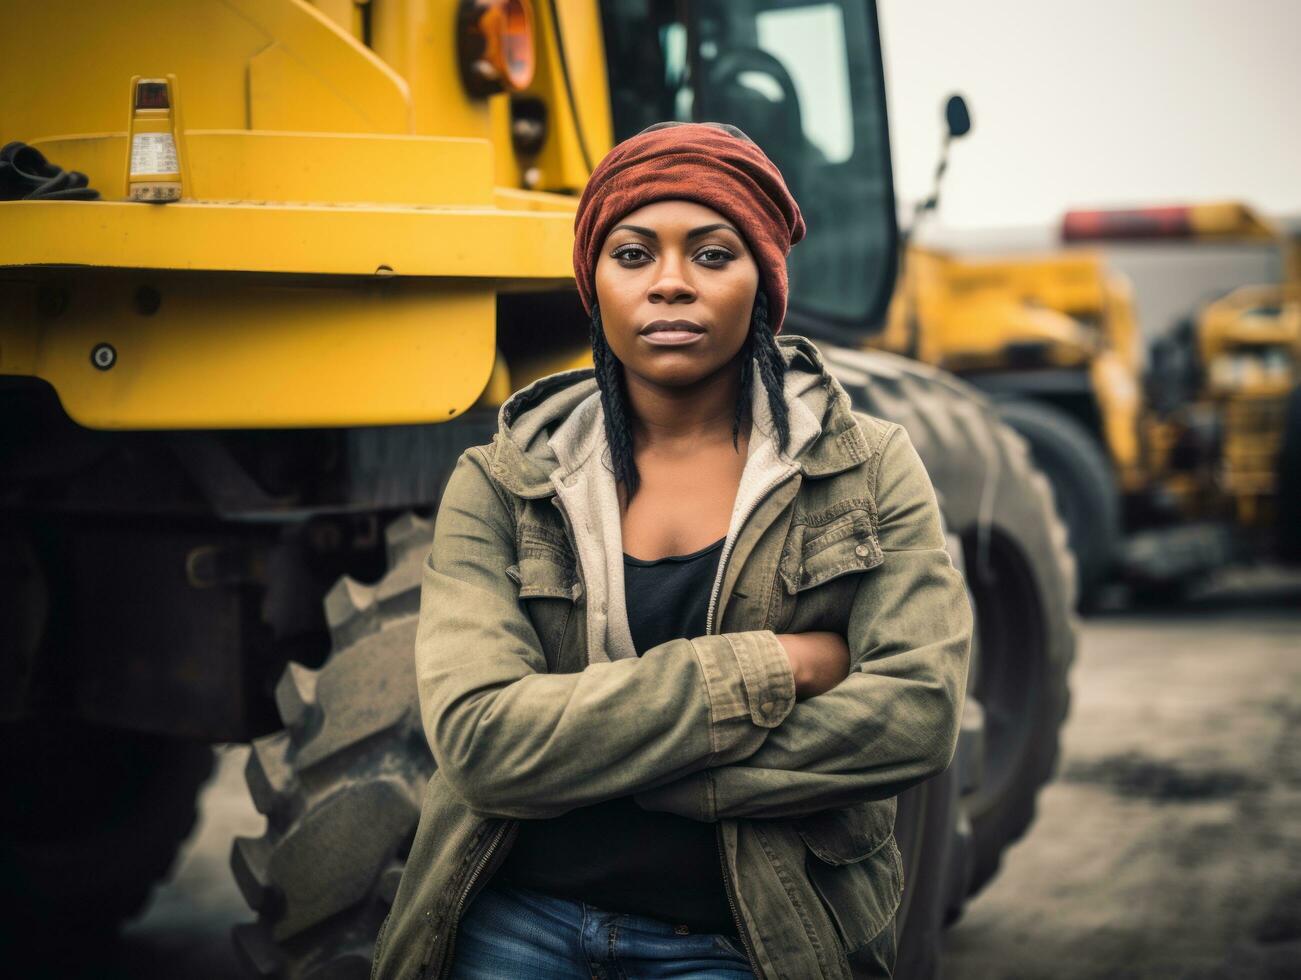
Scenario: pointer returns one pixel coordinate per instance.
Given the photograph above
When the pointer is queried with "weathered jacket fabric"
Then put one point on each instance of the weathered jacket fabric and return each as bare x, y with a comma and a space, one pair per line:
534, 701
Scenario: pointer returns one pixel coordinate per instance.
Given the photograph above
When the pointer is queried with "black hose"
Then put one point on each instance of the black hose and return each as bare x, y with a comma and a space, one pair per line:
25, 175
569, 89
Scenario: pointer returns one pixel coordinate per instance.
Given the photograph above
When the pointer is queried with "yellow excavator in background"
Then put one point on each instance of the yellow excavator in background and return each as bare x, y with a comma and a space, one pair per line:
1220, 428
268, 267
1160, 470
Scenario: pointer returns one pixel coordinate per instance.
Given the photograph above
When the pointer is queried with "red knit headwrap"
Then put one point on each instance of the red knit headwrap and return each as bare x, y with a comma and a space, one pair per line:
693, 162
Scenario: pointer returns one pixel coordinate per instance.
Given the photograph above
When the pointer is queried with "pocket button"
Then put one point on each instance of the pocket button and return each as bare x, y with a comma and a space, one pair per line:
862, 550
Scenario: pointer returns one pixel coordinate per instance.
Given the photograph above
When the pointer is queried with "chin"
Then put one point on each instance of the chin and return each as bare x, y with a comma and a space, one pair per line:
676, 370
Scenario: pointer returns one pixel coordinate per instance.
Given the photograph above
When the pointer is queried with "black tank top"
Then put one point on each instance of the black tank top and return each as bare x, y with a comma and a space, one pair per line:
615, 855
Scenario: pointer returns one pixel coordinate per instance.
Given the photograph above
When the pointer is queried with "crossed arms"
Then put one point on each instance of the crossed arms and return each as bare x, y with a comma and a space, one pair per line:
709, 727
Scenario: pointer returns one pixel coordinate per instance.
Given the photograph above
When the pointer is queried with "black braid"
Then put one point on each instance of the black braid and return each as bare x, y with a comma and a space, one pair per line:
614, 403
772, 369
759, 344
747, 381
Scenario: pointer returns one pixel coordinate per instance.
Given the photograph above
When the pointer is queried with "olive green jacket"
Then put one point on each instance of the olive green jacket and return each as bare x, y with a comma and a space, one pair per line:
534, 701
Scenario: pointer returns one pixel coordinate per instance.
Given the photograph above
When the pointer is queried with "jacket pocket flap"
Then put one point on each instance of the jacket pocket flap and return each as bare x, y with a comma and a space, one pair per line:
848, 834
546, 568
855, 867
860, 898
819, 552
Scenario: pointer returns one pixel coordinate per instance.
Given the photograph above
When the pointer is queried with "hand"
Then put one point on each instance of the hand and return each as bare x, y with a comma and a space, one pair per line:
819, 661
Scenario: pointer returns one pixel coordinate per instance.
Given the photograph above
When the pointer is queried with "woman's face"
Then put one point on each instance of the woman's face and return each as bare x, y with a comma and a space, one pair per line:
675, 261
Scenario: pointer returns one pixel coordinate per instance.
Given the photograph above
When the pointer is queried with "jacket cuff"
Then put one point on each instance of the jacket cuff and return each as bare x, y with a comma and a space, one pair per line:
748, 675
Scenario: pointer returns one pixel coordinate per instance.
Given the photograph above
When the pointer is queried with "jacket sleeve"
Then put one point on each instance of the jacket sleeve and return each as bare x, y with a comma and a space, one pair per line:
894, 720
515, 741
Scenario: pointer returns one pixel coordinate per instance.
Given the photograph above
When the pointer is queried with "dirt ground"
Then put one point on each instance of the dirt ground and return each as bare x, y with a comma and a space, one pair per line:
1169, 846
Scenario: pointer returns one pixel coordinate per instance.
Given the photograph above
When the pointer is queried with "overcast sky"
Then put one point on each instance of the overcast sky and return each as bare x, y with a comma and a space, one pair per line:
1096, 102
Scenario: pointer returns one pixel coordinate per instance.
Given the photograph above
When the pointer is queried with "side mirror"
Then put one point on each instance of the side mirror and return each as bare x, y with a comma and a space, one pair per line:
958, 120
957, 116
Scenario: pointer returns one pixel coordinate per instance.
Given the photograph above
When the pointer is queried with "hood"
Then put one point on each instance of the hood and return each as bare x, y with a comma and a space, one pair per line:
549, 428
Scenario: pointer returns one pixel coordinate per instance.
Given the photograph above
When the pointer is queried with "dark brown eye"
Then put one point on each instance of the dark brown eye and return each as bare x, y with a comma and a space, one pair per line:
718, 255
630, 253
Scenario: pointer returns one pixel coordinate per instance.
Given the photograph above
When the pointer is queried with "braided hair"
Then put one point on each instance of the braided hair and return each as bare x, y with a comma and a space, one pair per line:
760, 348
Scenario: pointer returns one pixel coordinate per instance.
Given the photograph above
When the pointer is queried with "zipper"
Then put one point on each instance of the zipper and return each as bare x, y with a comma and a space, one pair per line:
730, 545
731, 902
446, 957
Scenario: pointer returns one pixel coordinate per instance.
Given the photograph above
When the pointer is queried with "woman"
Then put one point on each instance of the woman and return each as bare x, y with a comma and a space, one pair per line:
688, 625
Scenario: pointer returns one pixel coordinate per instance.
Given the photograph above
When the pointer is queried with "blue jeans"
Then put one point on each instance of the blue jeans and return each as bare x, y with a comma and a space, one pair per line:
519, 933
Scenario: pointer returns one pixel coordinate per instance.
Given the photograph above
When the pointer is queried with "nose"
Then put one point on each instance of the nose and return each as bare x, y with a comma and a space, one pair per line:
671, 285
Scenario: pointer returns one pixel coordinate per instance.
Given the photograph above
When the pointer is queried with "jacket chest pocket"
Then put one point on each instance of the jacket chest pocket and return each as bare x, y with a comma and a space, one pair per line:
816, 572
549, 589
854, 865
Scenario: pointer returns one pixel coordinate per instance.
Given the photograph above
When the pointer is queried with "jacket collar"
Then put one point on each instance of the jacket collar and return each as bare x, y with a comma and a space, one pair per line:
550, 428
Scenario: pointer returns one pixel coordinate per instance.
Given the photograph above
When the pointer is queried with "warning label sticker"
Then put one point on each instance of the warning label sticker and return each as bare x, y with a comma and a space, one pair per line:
153, 153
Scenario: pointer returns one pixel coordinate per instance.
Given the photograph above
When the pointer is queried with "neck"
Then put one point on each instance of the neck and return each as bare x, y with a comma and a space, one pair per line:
678, 418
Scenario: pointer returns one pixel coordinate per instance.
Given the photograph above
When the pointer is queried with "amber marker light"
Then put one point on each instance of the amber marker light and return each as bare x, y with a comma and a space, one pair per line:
495, 45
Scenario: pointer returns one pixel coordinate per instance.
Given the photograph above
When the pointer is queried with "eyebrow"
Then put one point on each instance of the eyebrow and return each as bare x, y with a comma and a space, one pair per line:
693, 233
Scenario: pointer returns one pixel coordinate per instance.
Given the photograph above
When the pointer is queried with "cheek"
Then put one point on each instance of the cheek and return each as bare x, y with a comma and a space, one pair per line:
618, 304
740, 305
613, 297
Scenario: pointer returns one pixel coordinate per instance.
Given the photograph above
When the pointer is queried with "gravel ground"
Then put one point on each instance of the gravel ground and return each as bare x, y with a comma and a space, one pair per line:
1169, 846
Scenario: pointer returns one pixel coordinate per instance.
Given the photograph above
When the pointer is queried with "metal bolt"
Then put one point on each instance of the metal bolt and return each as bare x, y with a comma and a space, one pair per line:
103, 356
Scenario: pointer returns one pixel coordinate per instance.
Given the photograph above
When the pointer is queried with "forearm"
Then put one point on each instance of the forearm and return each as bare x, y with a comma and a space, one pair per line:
870, 737
517, 741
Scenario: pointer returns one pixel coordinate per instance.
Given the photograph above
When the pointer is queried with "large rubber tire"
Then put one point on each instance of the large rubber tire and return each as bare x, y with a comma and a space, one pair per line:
1289, 481
1021, 576
341, 785
92, 819
1084, 487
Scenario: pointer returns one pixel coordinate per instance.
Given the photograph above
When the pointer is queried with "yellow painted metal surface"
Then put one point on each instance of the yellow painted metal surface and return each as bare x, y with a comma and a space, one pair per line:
1229, 219
417, 39
347, 14
580, 28
236, 165
480, 242
1252, 318
1060, 310
1119, 394
306, 154
249, 352
967, 314
65, 67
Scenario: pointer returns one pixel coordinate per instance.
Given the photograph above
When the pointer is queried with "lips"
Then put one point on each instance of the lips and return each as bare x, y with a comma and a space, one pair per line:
671, 333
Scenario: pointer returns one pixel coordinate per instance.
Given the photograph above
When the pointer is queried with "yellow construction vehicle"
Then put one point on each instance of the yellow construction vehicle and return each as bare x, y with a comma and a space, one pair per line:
1053, 338
1158, 474
1222, 434
268, 267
